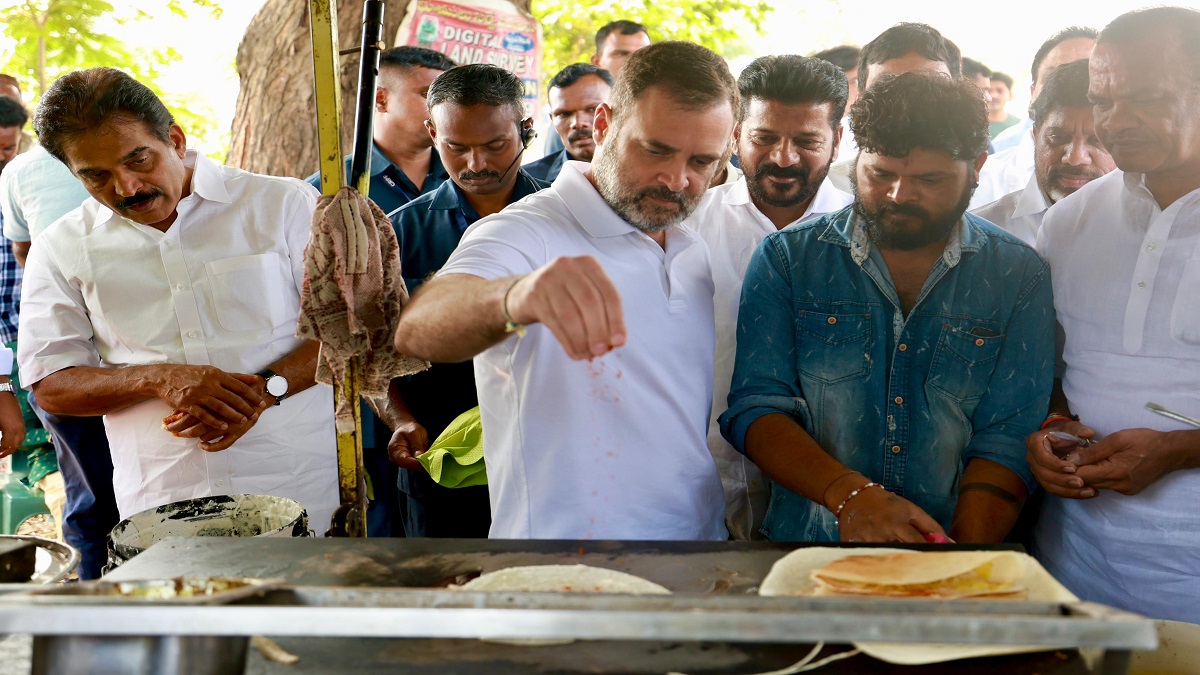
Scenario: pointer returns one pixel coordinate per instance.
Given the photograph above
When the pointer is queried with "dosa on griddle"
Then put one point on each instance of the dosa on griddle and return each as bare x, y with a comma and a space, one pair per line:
931, 574
563, 579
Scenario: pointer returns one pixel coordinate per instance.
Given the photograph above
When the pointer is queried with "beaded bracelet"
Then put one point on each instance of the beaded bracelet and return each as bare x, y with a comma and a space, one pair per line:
837, 515
1058, 417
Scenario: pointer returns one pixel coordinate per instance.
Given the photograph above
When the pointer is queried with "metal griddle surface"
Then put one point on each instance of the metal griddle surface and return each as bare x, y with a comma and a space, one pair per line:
684, 567
710, 568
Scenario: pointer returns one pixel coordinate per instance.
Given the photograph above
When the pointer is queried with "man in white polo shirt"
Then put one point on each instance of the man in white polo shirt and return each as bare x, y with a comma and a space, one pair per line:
175, 289
589, 312
1119, 525
787, 136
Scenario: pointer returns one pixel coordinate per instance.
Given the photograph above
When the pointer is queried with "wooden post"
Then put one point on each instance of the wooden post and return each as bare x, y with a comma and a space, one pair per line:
350, 518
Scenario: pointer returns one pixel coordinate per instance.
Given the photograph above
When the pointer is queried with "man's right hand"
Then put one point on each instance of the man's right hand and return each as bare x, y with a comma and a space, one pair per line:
1045, 456
876, 515
409, 440
577, 301
214, 397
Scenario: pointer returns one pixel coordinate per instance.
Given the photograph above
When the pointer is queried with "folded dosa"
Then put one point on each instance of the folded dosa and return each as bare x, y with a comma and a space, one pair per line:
932, 574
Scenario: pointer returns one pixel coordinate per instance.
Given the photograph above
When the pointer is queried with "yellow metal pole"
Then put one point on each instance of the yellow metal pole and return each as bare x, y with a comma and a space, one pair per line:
350, 518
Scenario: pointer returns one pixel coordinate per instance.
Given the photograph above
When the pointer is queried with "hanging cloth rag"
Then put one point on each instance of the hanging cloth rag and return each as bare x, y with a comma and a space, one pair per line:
352, 297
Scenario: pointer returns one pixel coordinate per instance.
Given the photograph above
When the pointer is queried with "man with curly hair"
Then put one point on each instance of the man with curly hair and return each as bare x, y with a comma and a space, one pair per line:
893, 355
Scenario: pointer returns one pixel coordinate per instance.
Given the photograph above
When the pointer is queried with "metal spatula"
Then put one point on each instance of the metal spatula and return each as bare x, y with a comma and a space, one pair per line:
1156, 408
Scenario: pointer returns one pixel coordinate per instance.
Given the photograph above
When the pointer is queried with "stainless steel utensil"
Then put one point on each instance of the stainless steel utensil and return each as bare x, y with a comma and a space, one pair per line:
1064, 436
1156, 408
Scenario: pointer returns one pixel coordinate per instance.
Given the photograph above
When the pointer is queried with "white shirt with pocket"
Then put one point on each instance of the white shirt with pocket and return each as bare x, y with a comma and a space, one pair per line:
220, 287
1126, 277
611, 448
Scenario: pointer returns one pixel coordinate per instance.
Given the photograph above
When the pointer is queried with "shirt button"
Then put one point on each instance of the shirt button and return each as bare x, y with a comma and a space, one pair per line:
193, 333
979, 342
903, 348
1141, 284
899, 400
181, 287
832, 320
895, 449
1150, 247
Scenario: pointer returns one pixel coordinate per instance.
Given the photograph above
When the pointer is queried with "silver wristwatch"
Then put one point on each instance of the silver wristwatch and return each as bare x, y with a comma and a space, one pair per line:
8, 386
277, 385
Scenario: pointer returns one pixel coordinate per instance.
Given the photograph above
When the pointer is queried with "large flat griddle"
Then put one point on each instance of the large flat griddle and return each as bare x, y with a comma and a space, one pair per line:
360, 595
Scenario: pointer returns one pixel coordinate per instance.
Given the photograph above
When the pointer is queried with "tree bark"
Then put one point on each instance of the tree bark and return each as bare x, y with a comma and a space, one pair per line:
274, 127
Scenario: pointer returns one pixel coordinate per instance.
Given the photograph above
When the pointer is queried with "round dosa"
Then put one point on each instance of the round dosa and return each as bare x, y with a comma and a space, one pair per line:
563, 579
558, 579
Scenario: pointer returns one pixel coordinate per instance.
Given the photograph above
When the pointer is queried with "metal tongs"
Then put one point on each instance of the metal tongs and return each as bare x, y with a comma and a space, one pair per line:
1156, 408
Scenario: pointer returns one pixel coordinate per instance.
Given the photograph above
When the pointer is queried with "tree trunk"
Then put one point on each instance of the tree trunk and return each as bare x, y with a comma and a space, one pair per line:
274, 124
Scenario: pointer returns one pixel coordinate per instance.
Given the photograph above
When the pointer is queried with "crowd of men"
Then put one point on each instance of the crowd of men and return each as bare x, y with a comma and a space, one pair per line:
841, 297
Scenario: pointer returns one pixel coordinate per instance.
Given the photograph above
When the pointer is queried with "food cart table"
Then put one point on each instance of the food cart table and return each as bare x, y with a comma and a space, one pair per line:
380, 605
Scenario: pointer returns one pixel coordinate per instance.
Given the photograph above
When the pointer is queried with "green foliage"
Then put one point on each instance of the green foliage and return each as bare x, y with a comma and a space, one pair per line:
53, 37
569, 27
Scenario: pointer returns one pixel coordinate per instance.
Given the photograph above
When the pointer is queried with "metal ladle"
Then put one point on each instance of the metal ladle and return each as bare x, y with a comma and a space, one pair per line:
1156, 408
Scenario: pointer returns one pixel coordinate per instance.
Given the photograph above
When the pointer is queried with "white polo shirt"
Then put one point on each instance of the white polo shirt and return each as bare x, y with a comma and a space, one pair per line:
611, 448
1019, 213
733, 228
1126, 280
220, 287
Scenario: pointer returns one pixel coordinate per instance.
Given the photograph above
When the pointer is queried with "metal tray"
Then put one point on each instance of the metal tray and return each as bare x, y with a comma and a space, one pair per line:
55, 562
174, 591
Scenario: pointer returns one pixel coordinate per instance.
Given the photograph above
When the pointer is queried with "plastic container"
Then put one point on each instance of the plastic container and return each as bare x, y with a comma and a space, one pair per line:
216, 516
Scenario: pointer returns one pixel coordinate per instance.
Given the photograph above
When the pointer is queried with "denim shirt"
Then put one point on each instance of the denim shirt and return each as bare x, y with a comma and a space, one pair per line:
906, 401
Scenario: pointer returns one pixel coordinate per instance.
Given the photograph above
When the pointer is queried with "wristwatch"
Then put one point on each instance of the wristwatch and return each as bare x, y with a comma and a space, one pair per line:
8, 386
277, 385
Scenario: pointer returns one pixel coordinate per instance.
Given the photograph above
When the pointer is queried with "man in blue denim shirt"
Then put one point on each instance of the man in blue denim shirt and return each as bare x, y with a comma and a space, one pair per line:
893, 356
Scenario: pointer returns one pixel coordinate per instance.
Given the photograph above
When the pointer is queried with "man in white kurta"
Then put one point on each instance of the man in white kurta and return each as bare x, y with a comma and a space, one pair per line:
121, 318
786, 139
1068, 153
1119, 525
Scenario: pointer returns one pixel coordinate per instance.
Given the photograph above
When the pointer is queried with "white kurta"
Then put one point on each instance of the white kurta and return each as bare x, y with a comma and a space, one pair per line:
611, 448
1126, 280
220, 287
733, 228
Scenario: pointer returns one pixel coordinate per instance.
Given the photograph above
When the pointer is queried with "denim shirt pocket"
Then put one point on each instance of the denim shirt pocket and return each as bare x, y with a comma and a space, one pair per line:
833, 348
963, 362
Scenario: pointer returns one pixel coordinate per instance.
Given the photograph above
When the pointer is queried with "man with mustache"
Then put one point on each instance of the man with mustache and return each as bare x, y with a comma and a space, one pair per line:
588, 309
480, 130
175, 288
1068, 153
884, 380
575, 93
1116, 526
787, 136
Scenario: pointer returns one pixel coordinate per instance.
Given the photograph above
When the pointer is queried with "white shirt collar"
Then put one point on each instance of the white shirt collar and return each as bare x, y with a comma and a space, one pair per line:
827, 200
207, 183
1032, 201
594, 214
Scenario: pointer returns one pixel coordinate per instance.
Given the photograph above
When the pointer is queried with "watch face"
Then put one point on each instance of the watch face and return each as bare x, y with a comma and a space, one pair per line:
277, 386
